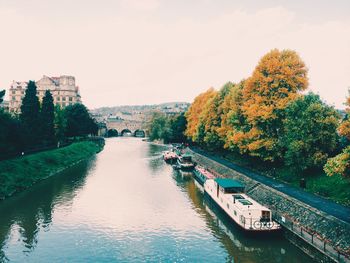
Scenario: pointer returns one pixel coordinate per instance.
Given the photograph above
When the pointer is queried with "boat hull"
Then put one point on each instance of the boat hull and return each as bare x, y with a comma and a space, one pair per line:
248, 224
213, 203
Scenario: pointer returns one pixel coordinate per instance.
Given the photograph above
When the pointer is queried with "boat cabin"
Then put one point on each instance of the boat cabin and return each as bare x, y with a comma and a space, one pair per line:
186, 158
228, 186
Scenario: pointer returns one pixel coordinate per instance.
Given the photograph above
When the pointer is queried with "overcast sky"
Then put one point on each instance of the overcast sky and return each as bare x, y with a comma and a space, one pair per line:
152, 51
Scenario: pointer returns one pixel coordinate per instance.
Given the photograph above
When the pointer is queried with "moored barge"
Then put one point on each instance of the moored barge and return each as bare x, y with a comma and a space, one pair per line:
184, 162
243, 210
201, 175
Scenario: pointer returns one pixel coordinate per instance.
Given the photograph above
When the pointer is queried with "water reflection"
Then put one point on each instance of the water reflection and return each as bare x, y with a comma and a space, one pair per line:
126, 205
24, 215
240, 246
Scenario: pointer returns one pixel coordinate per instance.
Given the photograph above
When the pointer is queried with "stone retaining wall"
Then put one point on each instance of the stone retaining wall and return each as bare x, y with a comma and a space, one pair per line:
335, 232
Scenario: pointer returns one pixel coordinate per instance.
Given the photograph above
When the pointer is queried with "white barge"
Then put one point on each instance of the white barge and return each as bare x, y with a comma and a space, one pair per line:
246, 212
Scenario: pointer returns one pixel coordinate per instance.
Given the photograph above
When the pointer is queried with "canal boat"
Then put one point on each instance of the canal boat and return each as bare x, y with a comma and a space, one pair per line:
184, 162
229, 195
169, 156
201, 174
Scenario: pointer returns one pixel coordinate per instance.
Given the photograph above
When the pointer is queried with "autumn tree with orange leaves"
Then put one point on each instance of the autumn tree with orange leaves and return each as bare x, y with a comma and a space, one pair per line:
276, 81
194, 114
212, 118
232, 120
340, 164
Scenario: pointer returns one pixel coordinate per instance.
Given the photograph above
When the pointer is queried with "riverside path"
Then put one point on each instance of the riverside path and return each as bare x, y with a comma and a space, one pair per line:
339, 211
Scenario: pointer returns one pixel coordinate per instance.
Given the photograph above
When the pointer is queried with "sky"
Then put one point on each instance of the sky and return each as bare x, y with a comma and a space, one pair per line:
153, 51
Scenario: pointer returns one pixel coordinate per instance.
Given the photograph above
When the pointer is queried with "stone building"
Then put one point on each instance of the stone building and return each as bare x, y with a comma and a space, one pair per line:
63, 90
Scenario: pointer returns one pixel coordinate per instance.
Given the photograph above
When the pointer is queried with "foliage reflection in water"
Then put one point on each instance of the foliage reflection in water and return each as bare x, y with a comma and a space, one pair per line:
126, 205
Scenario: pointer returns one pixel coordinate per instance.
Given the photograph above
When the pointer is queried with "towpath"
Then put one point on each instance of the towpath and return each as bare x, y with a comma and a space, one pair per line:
339, 211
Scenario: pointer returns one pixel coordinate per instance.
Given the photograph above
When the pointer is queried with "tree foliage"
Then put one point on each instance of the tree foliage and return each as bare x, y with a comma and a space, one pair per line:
169, 129
212, 118
2, 94
233, 120
194, 113
310, 132
276, 81
60, 124
344, 128
340, 164
47, 118
79, 121
10, 133
30, 110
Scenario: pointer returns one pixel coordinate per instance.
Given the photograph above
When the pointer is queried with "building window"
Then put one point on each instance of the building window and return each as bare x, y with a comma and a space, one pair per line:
63, 98
13, 98
13, 92
70, 99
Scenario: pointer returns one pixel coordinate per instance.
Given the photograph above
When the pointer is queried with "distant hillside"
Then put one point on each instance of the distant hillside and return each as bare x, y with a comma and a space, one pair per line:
131, 109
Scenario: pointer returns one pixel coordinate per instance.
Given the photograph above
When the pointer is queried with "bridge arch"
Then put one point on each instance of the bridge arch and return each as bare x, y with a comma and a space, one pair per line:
112, 133
139, 133
126, 132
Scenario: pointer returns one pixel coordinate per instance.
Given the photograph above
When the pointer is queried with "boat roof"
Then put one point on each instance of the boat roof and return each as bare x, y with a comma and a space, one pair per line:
228, 183
205, 172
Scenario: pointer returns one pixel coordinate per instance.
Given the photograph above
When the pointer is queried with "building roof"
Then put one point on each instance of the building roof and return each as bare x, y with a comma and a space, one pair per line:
228, 183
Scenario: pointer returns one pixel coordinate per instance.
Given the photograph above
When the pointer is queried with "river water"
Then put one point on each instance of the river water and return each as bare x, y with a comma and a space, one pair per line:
127, 205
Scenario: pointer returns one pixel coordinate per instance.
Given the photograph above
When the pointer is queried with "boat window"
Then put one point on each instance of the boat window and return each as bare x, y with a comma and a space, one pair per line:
265, 214
234, 211
228, 206
245, 202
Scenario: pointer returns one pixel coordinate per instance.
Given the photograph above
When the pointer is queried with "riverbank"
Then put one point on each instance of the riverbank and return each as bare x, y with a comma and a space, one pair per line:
21, 173
335, 188
328, 236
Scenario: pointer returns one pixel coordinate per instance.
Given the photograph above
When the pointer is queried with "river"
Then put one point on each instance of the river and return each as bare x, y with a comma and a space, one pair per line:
126, 205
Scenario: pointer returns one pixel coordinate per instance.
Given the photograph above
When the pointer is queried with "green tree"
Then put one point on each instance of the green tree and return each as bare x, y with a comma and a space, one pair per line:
60, 124
177, 126
212, 118
10, 134
159, 127
79, 121
339, 165
30, 110
47, 119
310, 132
2, 94
277, 80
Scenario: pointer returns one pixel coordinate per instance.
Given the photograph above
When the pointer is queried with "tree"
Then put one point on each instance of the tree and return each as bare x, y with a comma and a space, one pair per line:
233, 120
177, 125
276, 81
159, 127
2, 94
10, 134
344, 128
340, 164
212, 118
78, 121
47, 118
194, 113
29, 116
310, 132
60, 124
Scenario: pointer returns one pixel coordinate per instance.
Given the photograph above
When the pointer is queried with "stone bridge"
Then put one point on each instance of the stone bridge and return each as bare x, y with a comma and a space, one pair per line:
121, 127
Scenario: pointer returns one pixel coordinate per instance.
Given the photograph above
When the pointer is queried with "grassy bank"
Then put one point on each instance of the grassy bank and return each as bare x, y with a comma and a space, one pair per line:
21, 173
335, 188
